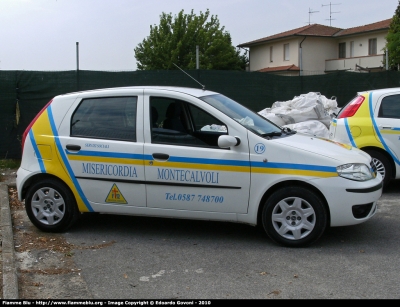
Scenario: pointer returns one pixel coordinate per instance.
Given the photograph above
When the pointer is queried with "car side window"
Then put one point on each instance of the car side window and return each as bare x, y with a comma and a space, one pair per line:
106, 118
390, 107
203, 121
178, 122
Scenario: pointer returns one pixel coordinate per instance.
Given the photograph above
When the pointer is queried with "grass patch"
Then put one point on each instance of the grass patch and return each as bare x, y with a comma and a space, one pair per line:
9, 163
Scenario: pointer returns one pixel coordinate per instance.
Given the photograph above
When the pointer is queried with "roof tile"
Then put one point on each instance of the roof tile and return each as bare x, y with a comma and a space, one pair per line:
322, 31
380, 25
280, 68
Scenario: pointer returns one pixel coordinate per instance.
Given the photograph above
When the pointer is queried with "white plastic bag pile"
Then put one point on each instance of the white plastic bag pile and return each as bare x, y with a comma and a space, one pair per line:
308, 113
214, 127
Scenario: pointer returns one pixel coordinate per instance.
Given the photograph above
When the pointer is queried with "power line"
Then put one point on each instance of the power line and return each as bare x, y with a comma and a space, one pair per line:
330, 11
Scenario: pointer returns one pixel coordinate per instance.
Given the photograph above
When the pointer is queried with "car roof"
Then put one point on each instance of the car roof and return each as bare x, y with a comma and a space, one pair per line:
381, 91
116, 90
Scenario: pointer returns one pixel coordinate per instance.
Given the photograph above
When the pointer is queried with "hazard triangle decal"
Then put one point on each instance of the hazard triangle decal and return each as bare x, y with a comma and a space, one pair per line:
115, 196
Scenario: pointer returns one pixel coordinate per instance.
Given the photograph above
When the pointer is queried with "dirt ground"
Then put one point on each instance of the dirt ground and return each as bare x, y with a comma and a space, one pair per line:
44, 261
6, 176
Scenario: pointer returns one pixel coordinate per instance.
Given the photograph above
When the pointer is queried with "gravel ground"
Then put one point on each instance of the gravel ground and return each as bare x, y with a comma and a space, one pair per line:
44, 261
7, 176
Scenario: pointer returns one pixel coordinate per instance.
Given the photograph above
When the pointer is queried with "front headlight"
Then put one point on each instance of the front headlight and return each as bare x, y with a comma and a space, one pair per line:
355, 171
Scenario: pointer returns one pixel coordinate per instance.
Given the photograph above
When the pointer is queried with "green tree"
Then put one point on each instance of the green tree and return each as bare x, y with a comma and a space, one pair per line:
174, 41
393, 41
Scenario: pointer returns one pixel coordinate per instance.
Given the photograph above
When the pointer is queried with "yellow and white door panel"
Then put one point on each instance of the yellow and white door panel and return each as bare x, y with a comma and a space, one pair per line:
101, 147
357, 129
386, 121
40, 144
185, 169
375, 124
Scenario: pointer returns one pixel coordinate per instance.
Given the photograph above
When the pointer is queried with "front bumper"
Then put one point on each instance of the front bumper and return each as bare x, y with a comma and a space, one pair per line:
350, 202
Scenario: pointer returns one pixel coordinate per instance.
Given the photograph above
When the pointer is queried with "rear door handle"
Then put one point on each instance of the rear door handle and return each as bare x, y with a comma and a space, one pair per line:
160, 156
73, 147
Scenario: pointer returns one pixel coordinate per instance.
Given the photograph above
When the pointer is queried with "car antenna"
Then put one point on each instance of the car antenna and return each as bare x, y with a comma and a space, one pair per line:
203, 86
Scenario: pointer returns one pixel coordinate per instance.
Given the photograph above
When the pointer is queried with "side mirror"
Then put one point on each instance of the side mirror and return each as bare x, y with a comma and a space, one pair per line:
226, 141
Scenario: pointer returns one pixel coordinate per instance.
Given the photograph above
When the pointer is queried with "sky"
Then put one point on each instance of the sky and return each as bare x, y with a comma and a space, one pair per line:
43, 34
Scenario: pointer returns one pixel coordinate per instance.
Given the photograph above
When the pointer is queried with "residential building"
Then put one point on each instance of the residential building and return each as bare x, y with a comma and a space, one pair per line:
319, 49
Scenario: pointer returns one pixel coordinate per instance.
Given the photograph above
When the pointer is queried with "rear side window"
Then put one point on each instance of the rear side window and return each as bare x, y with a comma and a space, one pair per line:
390, 107
106, 118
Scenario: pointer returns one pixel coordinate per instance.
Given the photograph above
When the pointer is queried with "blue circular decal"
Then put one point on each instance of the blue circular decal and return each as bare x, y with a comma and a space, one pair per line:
259, 148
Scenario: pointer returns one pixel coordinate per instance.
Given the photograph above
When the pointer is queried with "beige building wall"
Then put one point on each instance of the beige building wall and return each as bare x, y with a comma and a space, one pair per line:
315, 51
260, 56
318, 54
361, 44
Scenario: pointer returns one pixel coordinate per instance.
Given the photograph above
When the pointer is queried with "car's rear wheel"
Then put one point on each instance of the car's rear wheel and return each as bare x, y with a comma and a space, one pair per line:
51, 206
294, 216
382, 164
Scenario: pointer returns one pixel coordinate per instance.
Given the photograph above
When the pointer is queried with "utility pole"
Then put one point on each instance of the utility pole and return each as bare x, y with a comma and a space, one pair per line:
77, 66
330, 11
77, 56
197, 57
310, 11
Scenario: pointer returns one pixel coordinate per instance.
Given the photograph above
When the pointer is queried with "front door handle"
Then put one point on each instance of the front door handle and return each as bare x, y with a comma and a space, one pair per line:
73, 147
160, 156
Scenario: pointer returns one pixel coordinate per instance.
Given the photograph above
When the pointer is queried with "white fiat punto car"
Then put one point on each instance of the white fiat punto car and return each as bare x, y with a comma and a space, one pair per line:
192, 154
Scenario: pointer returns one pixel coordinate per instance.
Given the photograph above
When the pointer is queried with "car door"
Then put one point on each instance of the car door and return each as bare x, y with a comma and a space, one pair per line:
185, 169
102, 145
387, 121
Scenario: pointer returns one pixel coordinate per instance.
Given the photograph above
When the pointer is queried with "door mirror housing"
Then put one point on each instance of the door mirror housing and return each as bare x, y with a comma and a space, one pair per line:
226, 141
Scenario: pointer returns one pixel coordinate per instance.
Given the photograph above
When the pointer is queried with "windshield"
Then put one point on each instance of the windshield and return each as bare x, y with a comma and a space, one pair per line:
249, 119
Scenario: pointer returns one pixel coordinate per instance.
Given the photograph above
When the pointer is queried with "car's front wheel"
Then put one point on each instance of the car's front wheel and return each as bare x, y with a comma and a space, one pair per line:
294, 216
51, 206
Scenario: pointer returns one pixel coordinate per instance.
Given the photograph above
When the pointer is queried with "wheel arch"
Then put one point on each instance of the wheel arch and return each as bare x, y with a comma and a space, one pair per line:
386, 154
285, 184
39, 177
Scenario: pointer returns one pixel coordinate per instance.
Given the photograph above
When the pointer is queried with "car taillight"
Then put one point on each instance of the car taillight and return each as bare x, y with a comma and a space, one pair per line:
31, 124
352, 107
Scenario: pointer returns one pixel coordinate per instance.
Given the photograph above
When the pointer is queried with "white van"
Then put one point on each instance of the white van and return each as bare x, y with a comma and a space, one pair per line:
188, 153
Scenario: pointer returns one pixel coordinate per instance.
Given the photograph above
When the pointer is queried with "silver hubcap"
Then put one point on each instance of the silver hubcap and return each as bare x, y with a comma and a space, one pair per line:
293, 218
379, 167
48, 206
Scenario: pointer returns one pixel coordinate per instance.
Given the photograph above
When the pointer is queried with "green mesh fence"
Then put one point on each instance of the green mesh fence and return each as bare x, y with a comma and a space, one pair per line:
24, 93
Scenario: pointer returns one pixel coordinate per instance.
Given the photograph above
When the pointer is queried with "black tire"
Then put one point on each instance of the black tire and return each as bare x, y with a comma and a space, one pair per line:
382, 164
294, 217
51, 206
